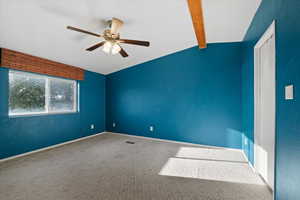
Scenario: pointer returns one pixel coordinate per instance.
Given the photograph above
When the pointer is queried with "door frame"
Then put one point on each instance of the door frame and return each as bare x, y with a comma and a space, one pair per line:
270, 32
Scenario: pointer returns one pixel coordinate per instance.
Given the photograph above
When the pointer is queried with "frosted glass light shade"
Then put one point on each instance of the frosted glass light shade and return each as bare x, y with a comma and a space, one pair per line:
107, 47
115, 49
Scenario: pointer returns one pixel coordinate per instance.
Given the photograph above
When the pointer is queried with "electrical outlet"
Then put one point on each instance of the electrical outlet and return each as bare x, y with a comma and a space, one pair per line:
114, 124
92, 126
151, 128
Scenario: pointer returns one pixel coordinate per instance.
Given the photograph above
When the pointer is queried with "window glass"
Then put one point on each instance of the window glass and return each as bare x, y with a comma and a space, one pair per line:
37, 94
26, 93
62, 95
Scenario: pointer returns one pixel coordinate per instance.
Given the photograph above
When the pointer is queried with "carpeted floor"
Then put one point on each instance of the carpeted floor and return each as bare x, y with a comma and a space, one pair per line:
107, 168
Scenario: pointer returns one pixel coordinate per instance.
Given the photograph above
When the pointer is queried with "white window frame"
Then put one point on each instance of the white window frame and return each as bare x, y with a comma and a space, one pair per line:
47, 95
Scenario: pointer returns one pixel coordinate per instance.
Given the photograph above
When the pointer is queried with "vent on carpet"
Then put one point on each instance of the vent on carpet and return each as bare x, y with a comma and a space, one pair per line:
130, 142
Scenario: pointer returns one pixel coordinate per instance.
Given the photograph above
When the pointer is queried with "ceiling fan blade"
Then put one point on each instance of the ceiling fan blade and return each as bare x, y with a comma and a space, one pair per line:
196, 11
135, 42
116, 24
82, 31
95, 46
123, 52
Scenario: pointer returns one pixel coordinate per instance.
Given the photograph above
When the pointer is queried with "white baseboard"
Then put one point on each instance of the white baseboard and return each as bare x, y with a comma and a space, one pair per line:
249, 163
254, 170
176, 142
135, 136
50, 147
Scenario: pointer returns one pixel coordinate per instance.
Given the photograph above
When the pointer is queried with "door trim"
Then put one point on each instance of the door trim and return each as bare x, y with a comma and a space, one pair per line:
270, 32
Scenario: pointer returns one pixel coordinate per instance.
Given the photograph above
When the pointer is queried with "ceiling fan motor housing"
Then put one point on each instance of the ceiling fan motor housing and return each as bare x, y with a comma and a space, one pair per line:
109, 36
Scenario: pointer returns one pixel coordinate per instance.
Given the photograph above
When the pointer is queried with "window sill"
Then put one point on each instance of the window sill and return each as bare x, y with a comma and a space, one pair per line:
40, 114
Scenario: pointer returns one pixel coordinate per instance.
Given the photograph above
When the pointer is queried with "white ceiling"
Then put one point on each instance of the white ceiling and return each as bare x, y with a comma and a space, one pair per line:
37, 27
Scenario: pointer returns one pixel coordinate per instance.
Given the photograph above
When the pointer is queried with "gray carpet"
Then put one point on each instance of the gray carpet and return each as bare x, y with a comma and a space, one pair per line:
107, 168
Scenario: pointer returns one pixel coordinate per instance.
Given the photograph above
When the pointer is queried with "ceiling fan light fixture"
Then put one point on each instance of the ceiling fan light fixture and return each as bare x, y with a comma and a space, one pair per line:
115, 49
111, 47
107, 47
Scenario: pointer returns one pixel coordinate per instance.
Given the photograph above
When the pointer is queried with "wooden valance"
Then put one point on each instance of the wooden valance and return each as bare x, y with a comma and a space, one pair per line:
24, 62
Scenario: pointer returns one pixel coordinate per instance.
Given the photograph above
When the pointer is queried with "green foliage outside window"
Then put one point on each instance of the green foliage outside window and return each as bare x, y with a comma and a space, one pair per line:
27, 94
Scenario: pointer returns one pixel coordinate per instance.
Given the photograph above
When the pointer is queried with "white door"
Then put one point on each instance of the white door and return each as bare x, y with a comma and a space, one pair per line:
264, 151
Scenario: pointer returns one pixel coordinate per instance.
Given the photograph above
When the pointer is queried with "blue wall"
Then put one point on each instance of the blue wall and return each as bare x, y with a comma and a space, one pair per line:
23, 134
287, 15
192, 96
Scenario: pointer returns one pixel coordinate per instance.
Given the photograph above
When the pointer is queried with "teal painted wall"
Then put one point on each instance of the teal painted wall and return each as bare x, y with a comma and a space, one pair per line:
24, 134
192, 96
286, 13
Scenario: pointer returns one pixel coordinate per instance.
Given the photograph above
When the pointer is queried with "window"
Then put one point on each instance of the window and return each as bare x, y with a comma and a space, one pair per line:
31, 94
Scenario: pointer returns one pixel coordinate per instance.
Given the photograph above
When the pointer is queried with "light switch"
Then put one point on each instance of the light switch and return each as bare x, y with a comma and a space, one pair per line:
289, 92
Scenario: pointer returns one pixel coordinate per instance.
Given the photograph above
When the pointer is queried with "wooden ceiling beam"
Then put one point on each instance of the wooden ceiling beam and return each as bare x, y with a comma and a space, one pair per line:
196, 11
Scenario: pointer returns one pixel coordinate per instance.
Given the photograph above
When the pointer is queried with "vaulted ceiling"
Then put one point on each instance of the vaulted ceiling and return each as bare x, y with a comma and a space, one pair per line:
38, 27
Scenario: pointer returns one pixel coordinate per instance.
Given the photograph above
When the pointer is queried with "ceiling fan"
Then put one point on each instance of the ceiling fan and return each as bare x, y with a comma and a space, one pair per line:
112, 40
